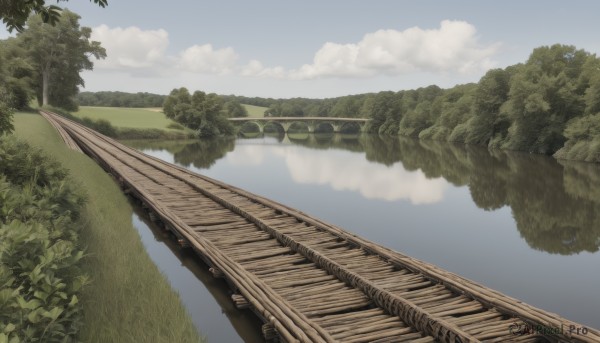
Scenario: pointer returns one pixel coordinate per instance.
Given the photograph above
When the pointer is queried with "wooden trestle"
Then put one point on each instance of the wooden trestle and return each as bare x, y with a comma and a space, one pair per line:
310, 281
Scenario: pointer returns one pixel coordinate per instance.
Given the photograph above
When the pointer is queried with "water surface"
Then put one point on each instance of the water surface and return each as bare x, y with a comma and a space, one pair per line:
526, 225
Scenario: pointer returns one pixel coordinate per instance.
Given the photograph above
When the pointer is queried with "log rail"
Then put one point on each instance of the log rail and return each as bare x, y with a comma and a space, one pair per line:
310, 281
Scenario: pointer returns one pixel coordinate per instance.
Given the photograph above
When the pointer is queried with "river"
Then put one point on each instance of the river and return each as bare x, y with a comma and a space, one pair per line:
525, 225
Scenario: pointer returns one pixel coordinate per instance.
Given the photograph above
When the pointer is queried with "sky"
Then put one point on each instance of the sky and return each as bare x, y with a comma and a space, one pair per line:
320, 49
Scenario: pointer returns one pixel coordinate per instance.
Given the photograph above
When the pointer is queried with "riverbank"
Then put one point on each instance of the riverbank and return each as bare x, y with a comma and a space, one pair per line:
128, 299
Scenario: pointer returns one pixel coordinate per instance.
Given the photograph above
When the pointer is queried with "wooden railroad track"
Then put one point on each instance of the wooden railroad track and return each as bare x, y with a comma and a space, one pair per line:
311, 281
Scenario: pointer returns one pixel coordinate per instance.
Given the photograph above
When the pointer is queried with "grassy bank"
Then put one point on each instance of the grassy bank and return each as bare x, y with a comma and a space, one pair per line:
128, 299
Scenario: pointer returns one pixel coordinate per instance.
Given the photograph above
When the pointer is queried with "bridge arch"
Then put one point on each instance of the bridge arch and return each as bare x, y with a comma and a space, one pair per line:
250, 126
350, 127
299, 127
273, 126
323, 127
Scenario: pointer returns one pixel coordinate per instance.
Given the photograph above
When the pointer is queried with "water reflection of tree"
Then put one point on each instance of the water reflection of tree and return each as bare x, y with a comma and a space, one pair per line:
556, 208
172, 146
204, 153
325, 141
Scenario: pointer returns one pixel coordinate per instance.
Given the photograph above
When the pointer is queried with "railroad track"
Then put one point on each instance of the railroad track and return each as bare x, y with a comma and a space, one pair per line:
313, 282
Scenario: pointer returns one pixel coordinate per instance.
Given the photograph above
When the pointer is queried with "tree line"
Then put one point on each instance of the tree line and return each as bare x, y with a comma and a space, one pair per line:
120, 99
550, 105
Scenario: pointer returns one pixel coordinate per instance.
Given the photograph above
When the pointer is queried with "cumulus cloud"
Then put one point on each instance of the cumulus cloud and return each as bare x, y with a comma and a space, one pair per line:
205, 59
453, 47
131, 47
255, 68
140, 51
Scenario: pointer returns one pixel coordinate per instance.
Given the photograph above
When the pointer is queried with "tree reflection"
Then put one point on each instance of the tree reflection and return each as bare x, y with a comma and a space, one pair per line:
556, 206
204, 153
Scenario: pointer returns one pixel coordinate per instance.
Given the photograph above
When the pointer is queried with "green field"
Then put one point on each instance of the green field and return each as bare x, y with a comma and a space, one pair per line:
128, 299
255, 111
141, 118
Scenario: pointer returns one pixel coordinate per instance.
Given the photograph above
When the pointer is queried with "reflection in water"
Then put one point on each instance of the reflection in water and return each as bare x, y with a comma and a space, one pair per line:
344, 174
551, 213
199, 153
206, 298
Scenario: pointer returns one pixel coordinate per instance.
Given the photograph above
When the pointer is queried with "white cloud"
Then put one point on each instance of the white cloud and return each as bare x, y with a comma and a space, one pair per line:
140, 52
453, 47
131, 47
255, 68
205, 59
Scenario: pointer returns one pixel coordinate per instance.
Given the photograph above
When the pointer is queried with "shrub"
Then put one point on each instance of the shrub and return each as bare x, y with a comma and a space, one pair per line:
40, 278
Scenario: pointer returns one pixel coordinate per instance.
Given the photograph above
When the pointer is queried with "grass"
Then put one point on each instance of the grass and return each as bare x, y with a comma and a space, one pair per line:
141, 118
255, 111
128, 299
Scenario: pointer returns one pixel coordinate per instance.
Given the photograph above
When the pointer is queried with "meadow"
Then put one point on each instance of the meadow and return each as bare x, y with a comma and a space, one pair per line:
255, 111
141, 118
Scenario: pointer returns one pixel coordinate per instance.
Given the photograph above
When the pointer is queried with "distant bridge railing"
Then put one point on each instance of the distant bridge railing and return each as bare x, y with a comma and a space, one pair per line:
333, 124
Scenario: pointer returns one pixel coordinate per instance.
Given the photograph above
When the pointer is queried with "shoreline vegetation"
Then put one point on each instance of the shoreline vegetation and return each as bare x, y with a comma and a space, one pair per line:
127, 298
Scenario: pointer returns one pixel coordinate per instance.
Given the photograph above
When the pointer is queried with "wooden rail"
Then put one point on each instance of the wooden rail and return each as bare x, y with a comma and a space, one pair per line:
63, 134
311, 281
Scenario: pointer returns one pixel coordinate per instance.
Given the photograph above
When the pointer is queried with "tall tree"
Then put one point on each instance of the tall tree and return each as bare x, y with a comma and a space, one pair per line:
491, 93
59, 53
200, 112
234, 109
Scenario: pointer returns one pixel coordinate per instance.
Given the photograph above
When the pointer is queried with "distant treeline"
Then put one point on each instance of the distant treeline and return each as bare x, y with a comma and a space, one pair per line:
120, 99
550, 105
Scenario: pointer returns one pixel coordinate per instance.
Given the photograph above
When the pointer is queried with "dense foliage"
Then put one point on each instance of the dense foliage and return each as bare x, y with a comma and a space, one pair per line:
200, 112
120, 99
40, 278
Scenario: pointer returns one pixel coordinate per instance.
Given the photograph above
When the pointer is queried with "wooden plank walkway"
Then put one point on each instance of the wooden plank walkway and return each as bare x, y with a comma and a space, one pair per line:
313, 282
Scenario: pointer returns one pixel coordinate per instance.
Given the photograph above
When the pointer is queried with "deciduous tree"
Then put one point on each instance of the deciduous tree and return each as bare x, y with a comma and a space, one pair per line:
59, 53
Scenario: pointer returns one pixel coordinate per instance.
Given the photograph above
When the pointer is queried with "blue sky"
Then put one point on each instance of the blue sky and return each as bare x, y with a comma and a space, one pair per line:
321, 49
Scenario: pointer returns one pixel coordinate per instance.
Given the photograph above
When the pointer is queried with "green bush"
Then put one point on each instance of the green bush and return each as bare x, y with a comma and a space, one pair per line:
40, 278
583, 140
175, 126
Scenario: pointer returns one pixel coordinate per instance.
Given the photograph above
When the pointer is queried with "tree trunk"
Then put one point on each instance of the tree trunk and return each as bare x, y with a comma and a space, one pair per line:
45, 82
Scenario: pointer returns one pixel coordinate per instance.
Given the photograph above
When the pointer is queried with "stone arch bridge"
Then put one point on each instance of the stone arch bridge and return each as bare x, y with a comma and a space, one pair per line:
284, 123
